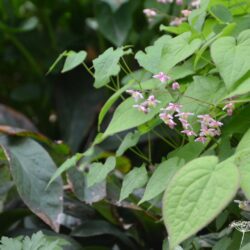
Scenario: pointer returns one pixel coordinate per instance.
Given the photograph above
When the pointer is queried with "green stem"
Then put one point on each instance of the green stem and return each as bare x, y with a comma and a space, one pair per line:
164, 139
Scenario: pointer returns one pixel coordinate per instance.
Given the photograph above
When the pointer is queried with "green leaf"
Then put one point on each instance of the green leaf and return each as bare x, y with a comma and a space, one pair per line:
161, 177
111, 101
231, 57
241, 89
135, 179
242, 160
115, 5
150, 60
58, 59
188, 152
178, 49
246, 247
73, 60
115, 23
130, 140
126, 116
89, 195
98, 172
32, 168
221, 13
244, 142
202, 94
196, 195
106, 65
69, 163
223, 244
184, 27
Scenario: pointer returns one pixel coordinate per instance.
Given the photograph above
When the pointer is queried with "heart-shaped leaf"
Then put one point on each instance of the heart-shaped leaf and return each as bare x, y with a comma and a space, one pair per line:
196, 195
232, 57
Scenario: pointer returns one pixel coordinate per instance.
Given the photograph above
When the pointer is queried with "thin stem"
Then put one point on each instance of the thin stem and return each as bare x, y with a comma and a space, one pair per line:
164, 139
135, 152
198, 100
242, 238
87, 68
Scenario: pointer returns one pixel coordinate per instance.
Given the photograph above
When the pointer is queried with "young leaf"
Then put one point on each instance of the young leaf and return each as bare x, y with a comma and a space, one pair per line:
98, 172
135, 179
58, 59
126, 116
161, 177
196, 195
107, 65
71, 162
73, 60
152, 58
231, 57
130, 140
32, 168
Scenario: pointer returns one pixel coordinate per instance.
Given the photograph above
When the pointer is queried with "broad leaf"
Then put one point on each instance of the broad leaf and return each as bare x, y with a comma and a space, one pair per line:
202, 94
32, 168
78, 182
150, 60
106, 65
178, 49
73, 60
161, 177
98, 171
244, 142
130, 140
221, 13
126, 116
135, 179
196, 195
242, 160
231, 57
115, 23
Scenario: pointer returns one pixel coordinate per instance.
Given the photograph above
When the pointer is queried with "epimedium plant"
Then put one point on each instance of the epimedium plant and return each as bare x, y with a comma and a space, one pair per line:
189, 94
192, 85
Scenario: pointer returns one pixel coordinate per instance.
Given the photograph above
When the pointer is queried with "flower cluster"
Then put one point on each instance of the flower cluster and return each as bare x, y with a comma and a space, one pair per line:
229, 107
209, 127
163, 78
147, 104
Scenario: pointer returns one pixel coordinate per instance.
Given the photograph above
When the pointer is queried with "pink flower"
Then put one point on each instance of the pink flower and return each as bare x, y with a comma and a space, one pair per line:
201, 139
152, 101
186, 13
173, 107
177, 21
215, 124
196, 3
164, 1
188, 132
185, 124
168, 119
175, 85
229, 107
179, 2
135, 94
162, 77
142, 107
149, 13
